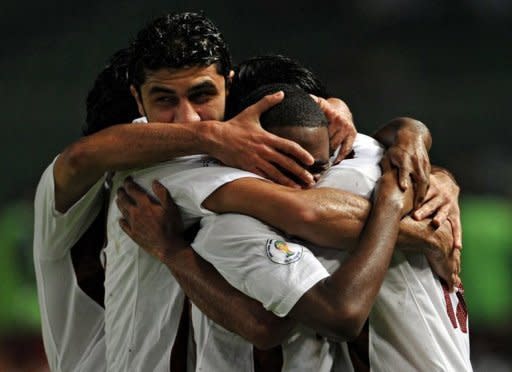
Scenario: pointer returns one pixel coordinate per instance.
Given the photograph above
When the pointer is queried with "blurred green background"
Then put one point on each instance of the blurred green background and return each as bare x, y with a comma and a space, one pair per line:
444, 63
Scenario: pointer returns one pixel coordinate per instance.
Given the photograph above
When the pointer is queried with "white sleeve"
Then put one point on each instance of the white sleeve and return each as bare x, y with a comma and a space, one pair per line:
55, 232
191, 187
258, 261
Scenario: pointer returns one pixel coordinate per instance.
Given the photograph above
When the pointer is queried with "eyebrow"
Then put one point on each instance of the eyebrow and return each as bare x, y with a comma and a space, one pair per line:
159, 89
205, 85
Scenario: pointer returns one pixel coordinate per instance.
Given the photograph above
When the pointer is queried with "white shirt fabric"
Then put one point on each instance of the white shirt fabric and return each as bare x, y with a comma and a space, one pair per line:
143, 301
244, 251
72, 323
217, 349
410, 328
409, 325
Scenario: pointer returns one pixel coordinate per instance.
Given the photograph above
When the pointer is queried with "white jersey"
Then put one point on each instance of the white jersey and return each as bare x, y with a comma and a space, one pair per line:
72, 323
410, 292
415, 322
143, 301
258, 261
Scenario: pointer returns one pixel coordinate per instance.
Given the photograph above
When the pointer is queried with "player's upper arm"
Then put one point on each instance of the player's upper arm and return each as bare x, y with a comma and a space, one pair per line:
72, 177
263, 200
54, 231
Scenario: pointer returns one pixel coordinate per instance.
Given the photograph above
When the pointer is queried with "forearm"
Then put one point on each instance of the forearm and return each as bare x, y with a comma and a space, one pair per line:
326, 217
402, 128
121, 147
340, 304
224, 304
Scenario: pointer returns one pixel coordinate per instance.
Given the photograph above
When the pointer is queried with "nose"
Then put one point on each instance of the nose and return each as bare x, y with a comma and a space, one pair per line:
186, 112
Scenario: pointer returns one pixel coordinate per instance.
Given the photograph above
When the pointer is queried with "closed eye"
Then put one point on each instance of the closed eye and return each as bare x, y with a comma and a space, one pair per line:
203, 92
168, 100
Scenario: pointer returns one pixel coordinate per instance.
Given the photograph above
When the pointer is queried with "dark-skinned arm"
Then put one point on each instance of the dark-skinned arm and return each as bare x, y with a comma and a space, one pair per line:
337, 306
239, 142
340, 304
328, 217
159, 231
407, 142
325, 216
222, 303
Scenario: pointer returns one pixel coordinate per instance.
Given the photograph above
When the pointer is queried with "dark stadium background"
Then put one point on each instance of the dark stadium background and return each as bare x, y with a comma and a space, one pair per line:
445, 63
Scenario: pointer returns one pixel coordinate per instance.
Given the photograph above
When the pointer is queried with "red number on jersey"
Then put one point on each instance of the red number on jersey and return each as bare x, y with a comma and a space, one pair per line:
460, 314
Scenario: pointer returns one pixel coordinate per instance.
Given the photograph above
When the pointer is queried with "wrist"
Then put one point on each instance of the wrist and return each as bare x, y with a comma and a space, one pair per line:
171, 251
390, 202
208, 135
389, 196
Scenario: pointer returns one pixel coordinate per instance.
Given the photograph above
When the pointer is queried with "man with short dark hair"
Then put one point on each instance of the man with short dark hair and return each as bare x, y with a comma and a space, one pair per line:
69, 198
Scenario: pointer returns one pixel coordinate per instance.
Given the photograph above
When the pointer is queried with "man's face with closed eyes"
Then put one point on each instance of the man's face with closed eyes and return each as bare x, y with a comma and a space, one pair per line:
182, 95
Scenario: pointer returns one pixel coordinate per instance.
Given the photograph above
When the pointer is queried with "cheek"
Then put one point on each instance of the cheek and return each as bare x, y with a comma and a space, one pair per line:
160, 115
213, 110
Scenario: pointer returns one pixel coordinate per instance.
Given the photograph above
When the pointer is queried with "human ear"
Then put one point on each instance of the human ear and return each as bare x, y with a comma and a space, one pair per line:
138, 99
229, 80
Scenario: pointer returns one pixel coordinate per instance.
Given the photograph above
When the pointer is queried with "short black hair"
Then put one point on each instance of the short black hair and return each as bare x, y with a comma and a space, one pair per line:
296, 109
269, 69
109, 101
178, 40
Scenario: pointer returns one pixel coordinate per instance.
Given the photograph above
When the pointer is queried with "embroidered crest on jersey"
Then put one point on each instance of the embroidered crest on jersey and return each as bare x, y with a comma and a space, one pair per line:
282, 252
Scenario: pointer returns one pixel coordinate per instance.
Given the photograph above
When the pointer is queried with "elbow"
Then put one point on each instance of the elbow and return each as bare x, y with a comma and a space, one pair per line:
354, 326
75, 158
303, 215
348, 323
419, 128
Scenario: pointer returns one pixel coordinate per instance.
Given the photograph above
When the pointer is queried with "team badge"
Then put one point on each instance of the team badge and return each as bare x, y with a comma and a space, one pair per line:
282, 252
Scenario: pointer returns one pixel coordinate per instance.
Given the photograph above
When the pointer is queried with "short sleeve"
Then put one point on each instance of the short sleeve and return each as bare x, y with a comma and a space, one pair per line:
258, 261
55, 232
189, 188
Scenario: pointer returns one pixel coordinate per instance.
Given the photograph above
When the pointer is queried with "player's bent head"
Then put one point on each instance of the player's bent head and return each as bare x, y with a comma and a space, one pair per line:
298, 118
176, 41
109, 101
296, 109
270, 69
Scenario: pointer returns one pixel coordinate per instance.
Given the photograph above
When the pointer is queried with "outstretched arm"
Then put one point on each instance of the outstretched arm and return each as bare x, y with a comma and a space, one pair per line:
239, 142
158, 229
